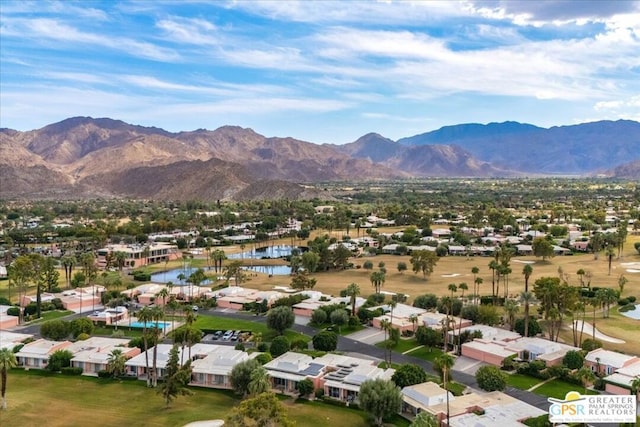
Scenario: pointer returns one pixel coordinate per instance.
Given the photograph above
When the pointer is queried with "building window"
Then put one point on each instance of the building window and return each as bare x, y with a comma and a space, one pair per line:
334, 392
279, 382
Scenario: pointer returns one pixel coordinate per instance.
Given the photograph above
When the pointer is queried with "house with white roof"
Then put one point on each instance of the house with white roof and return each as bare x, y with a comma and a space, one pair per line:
486, 410
92, 355
35, 355
286, 370
7, 321
419, 396
212, 365
620, 381
524, 348
606, 362
12, 339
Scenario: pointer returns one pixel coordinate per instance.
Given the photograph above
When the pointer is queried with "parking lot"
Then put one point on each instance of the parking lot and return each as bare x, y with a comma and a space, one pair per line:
227, 337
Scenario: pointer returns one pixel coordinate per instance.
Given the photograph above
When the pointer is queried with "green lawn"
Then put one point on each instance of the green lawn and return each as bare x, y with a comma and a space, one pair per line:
50, 315
36, 398
523, 382
425, 354
402, 345
108, 331
559, 389
456, 388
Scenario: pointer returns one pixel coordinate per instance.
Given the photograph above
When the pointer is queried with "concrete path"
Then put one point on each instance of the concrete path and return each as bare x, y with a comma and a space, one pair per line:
588, 332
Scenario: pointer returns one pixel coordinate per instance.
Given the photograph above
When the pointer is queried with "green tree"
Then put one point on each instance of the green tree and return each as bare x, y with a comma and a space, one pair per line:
635, 384
7, 361
511, 308
56, 330
81, 325
280, 319
573, 359
425, 419
542, 248
59, 359
116, 362
491, 378
353, 291
443, 364
259, 382
402, 267
302, 281
310, 261
428, 337
409, 374
280, 345
305, 387
176, 378
68, 263
367, 265
339, 318
240, 376
533, 327
380, 398
318, 316
423, 261
586, 377
264, 410
325, 341
377, 280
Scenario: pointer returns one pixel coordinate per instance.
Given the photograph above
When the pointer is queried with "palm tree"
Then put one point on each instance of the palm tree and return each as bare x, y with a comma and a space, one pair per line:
586, 376
145, 316
621, 282
353, 290
511, 308
463, 287
493, 265
385, 325
7, 361
444, 363
156, 316
116, 362
477, 282
68, 262
259, 382
610, 254
581, 274
377, 280
635, 385
526, 297
163, 293
413, 318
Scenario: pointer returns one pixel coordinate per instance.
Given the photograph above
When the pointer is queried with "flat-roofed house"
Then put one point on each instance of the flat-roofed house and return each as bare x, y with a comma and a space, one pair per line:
525, 348
212, 365
607, 362
344, 375
620, 381
137, 255
417, 397
11, 339
92, 354
35, 355
489, 351
286, 370
7, 321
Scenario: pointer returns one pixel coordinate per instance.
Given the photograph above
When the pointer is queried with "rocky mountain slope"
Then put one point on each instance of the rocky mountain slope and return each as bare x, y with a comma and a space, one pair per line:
86, 157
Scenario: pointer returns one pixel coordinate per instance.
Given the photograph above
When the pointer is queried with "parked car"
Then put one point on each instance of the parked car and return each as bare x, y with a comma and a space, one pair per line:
235, 336
195, 308
217, 335
227, 335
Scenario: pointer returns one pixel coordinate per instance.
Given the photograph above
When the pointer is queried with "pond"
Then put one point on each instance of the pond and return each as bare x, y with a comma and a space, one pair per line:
172, 276
276, 251
634, 314
275, 270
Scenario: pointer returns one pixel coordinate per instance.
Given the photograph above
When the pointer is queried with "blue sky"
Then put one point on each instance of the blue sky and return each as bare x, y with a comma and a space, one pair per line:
320, 71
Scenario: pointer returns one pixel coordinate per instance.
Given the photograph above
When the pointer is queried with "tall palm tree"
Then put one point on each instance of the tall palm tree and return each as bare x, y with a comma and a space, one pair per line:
586, 376
610, 254
413, 318
511, 308
444, 363
68, 262
7, 361
353, 290
163, 293
156, 333
493, 265
385, 325
595, 303
463, 287
377, 280
477, 282
145, 315
526, 298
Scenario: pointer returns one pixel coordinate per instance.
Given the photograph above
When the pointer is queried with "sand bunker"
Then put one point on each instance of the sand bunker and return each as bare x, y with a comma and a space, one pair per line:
208, 423
588, 332
523, 262
632, 270
451, 275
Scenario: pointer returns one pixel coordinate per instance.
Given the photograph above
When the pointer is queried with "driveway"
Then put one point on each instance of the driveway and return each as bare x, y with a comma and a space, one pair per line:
467, 365
368, 335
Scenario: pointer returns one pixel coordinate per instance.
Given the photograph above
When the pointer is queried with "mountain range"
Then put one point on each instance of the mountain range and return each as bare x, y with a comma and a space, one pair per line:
83, 157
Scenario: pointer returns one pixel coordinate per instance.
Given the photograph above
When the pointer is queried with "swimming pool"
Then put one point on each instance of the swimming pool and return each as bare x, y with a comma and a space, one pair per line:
141, 325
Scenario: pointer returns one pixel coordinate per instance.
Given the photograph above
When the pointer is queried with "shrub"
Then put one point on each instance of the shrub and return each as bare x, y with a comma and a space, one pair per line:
573, 360
13, 311
590, 344
508, 364
354, 321
623, 301
141, 276
104, 374
299, 344
56, 330
426, 301
318, 316
280, 345
59, 359
239, 346
264, 358
31, 309
71, 370
628, 307
263, 346
81, 325
4, 301
325, 341
57, 304
490, 378
470, 312
631, 298
82, 337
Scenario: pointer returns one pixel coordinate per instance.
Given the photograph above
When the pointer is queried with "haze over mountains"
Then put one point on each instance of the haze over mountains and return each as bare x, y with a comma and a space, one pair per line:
86, 157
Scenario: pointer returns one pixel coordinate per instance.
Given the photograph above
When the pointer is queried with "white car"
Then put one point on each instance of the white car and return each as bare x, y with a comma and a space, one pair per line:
194, 308
227, 335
